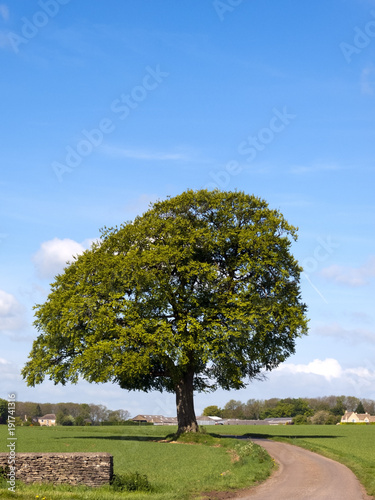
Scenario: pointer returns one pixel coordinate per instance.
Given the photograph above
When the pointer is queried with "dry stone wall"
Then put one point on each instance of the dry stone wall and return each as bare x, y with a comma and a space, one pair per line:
90, 469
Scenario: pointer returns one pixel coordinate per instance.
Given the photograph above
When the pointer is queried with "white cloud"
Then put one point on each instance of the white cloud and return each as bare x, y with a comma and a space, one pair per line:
53, 255
350, 276
4, 11
12, 313
328, 376
328, 368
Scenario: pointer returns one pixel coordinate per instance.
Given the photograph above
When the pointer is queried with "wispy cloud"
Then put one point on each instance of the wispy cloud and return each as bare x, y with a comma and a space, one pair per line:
139, 154
12, 313
350, 334
316, 168
8, 372
4, 12
350, 276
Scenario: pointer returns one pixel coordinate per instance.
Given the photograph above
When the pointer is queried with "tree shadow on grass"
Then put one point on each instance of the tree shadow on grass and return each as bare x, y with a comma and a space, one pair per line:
169, 437
117, 438
291, 435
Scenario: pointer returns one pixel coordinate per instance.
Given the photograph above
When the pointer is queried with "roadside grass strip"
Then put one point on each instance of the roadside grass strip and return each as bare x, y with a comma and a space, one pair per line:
351, 445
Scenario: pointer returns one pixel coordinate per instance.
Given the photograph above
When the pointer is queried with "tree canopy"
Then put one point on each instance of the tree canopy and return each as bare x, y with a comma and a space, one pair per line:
199, 292
360, 408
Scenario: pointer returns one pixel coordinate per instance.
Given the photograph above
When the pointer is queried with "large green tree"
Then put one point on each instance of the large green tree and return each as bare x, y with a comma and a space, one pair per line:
199, 292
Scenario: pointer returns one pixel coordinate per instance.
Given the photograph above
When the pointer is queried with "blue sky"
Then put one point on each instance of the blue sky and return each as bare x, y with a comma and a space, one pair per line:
108, 106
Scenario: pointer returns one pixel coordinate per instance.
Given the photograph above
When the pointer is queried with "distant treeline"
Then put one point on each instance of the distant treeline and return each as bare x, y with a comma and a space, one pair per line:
66, 413
322, 410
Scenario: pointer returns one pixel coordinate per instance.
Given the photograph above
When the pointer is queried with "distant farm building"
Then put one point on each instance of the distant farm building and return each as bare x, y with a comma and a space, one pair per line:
266, 421
155, 419
351, 417
203, 420
207, 420
48, 420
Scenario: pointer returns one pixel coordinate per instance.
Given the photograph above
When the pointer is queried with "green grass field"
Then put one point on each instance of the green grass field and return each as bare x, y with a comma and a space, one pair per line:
179, 471
175, 470
352, 445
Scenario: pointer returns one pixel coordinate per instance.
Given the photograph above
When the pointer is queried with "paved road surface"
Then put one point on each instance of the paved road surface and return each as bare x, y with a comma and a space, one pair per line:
303, 475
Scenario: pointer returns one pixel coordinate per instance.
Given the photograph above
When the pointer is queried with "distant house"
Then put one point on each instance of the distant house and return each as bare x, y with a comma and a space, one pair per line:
48, 420
357, 418
155, 419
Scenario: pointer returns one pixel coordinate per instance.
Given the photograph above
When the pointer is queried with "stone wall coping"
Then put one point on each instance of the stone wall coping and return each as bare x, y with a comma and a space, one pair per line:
59, 454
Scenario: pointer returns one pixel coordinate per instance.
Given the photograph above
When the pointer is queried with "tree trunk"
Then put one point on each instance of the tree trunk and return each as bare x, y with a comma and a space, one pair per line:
186, 419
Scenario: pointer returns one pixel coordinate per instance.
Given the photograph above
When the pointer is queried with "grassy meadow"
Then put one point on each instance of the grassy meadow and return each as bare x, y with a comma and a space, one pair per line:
352, 445
182, 470
175, 470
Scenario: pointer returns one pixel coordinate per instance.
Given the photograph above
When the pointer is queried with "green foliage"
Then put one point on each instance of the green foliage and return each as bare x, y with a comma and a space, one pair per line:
131, 481
244, 449
324, 417
212, 411
288, 407
63, 419
4, 471
3, 411
339, 408
198, 293
360, 408
18, 421
233, 409
80, 420
301, 420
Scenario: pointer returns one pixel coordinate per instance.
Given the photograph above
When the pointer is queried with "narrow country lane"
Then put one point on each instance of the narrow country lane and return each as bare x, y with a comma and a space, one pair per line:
304, 475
